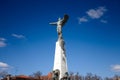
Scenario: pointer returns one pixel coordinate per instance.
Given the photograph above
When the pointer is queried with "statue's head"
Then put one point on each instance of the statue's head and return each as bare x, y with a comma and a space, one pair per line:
59, 19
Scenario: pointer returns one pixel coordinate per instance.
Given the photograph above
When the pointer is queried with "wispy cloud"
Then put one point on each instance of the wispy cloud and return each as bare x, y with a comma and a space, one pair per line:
116, 68
82, 19
2, 39
2, 42
103, 21
4, 66
95, 13
19, 36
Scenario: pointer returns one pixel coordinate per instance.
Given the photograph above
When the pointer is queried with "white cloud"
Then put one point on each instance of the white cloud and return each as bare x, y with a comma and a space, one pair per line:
103, 21
96, 13
116, 68
3, 65
2, 42
83, 19
2, 39
91, 14
18, 36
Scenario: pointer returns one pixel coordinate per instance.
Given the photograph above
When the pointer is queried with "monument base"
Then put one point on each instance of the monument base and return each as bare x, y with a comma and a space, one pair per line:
60, 62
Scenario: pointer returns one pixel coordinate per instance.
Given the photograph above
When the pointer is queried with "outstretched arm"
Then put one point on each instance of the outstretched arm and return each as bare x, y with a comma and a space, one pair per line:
53, 23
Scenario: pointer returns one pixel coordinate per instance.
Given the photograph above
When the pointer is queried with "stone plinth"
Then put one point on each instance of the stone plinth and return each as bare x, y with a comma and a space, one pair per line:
60, 61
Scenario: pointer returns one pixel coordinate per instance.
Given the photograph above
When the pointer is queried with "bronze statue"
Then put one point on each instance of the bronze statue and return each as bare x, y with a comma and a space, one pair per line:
60, 23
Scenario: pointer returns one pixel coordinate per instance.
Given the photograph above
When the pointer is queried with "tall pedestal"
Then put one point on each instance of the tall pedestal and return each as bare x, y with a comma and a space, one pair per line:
60, 61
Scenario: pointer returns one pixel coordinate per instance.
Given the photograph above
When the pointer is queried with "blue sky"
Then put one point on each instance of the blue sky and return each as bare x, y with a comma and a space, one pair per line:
92, 35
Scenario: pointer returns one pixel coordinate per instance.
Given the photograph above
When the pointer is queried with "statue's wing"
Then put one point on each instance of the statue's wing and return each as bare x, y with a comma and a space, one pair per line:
65, 18
53, 23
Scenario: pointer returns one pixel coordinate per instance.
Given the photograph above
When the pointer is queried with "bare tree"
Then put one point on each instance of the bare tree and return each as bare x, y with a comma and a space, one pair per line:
3, 74
95, 77
71, 76
37, 75
77, 76
108, 78
88, 76
116, 77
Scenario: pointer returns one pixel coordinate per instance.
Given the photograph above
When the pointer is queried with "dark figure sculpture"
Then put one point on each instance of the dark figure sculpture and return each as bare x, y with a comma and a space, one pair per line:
55, 75
66, 76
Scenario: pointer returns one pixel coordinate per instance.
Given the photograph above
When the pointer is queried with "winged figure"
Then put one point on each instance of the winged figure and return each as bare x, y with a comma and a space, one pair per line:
60, 23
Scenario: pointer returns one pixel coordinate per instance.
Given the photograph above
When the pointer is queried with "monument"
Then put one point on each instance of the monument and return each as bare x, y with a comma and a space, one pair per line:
60, 62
